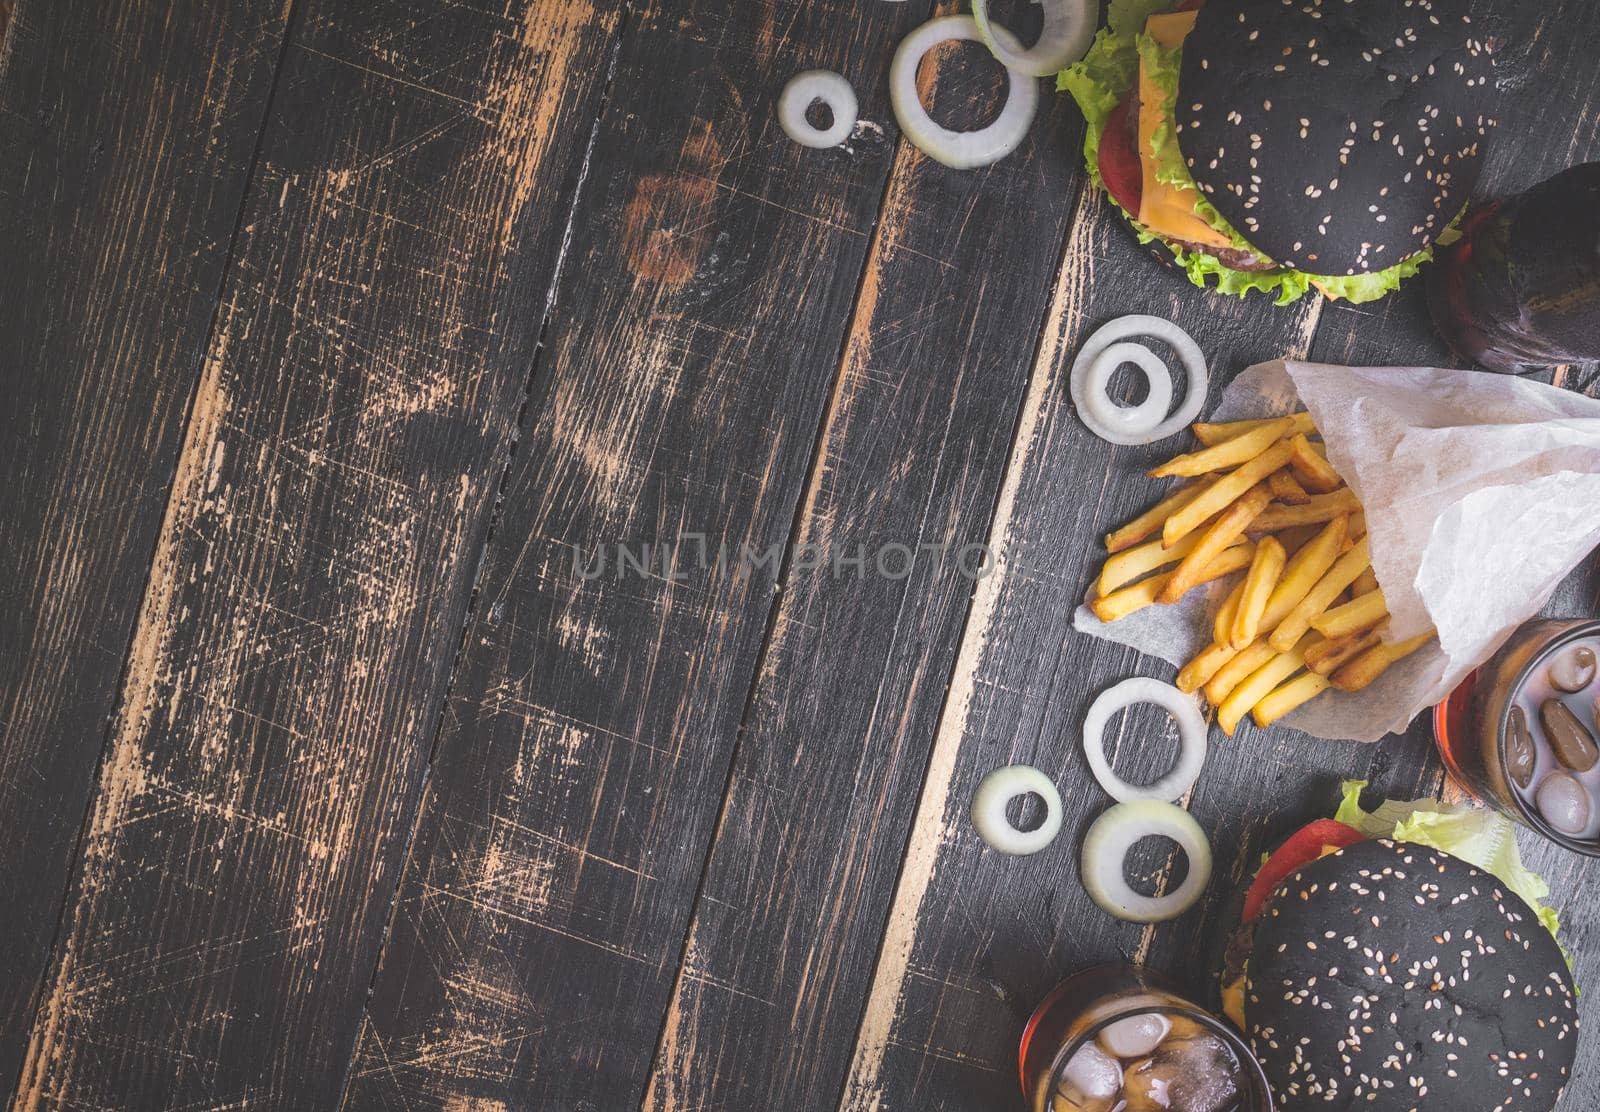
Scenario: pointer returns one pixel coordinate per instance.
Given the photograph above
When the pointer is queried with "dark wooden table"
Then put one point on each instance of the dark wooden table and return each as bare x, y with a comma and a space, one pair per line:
339, 336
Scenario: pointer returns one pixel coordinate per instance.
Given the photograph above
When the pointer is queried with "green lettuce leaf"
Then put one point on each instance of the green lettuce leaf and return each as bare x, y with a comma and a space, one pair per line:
1483, 838
1103, 77
1285, 286
1359, 288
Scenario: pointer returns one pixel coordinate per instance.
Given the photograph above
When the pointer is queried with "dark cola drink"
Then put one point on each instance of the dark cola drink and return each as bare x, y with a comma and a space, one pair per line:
1115, 1038
1522, 733
1521, 290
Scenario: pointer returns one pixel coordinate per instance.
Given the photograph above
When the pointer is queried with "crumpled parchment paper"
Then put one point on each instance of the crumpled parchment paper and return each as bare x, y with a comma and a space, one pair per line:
1481, 492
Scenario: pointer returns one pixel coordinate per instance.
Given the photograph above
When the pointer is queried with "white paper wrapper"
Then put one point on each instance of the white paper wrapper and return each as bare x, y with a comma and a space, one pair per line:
1481, 491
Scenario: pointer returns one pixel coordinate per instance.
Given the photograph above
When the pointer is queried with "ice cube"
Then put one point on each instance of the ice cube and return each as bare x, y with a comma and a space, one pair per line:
1569, 737
1145, 1087
1200, 1074
1185, 1028
1521, 756
1091, 1075
1574, 669
1135, 1037
1564, 803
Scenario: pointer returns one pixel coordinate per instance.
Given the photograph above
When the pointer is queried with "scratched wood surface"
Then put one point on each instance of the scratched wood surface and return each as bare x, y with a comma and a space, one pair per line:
827, 767
585, 748
356, 336
351, 423
117, 216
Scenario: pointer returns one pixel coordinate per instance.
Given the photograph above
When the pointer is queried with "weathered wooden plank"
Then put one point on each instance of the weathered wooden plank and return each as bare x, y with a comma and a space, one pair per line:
833, 748
586, 744
116, 214
349, 432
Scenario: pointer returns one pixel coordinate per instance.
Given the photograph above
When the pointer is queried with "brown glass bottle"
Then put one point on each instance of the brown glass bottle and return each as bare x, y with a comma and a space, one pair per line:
1520, 291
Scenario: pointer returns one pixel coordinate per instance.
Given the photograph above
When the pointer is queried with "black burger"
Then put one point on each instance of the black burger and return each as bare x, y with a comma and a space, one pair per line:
1288, 145
1394, 976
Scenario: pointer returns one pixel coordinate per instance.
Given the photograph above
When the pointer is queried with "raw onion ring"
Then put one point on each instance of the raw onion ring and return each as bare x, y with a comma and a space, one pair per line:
1148, 414
1191, 736
999, 788
960, 150
1092, 369
1069, 27
1106, 846
806, 88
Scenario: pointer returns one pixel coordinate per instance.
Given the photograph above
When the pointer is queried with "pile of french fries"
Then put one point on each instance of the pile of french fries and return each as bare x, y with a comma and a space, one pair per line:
1306, 614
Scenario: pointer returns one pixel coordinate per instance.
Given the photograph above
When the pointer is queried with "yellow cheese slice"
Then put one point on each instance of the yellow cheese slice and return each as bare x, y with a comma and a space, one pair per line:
1169, 29
1166, 211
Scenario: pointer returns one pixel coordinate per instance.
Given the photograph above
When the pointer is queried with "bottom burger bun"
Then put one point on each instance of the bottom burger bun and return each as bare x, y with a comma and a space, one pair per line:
1391, 977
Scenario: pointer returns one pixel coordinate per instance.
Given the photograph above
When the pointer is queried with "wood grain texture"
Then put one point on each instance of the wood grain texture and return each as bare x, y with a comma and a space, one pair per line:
833, 747
586, 744
347, 437
116, 215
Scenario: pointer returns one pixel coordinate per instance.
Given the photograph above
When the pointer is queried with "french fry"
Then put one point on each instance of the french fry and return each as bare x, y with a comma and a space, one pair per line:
1220, 494
1308, 613
1321, 508
1195, 674
1329, 656
1263, 576
1119, 604
1228, 528
1303, 571
1227, 453
1223, 622
1124, 567
1211, 434
1316, 474
1319, 598
1287, 489
1148, 524
1367, 581
1356, 616
1298, 691
1234, 672
1296, 538
1260, 683
1367, 667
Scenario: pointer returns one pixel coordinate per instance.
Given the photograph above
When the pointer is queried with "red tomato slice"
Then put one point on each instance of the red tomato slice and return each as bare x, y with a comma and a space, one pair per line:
1119, 158
1302, 848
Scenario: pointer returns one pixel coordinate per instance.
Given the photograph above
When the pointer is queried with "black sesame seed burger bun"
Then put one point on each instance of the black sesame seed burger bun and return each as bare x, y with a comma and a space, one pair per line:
1392, 977
1338, 136
1291, 147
